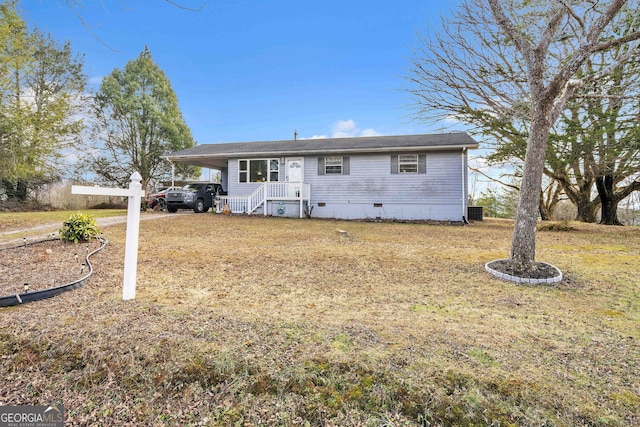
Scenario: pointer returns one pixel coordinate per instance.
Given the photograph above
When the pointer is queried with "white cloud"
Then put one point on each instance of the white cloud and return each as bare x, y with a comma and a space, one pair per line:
345, 129
452, 118
96, 80
478, 162
341, 134
369, 132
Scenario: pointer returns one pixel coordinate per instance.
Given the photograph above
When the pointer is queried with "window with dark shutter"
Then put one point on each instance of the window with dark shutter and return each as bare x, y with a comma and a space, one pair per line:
333, 165
408, 163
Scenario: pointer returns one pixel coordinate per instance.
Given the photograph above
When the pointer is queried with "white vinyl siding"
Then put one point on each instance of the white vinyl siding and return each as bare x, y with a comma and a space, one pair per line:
433, 195
369, 188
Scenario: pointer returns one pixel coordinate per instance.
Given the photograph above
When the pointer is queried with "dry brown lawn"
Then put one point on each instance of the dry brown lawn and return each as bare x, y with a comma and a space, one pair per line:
21, 224
267, 321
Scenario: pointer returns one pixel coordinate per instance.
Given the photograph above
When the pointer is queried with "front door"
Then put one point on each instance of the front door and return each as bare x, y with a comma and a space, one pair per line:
294, 173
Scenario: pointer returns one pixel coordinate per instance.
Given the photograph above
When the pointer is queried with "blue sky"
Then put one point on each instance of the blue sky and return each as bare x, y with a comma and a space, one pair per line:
258, 70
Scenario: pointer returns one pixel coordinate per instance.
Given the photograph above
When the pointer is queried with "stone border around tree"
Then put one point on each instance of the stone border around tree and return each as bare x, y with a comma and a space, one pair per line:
527, 280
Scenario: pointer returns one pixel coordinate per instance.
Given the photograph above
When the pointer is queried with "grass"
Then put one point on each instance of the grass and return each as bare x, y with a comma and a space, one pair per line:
22, 220
265, 321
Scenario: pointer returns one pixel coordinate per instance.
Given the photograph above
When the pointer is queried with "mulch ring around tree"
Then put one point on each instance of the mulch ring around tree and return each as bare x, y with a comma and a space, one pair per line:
541, 272
43, 265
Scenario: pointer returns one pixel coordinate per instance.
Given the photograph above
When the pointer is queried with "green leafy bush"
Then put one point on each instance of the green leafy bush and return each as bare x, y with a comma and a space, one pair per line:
79, 228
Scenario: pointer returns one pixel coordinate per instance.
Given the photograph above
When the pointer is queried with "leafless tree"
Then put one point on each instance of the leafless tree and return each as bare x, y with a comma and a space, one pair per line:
508, 68
552, 84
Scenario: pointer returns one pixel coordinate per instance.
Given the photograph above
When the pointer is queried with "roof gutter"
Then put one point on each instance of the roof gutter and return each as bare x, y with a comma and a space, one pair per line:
319, 151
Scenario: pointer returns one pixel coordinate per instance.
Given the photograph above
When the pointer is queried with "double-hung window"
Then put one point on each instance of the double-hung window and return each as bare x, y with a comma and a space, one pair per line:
333, 165
408, 163
258, 170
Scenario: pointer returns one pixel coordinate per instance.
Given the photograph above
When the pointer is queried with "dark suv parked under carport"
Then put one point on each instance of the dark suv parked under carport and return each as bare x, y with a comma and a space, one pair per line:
198, 196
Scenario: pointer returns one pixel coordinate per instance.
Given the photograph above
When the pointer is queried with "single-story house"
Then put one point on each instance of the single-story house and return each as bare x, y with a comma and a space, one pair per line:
406, 177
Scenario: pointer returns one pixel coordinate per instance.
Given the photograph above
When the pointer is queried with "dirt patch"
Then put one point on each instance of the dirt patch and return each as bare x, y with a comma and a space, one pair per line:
540, 270
43, 265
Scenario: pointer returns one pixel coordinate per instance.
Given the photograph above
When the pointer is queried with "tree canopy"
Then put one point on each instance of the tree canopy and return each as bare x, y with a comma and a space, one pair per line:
41, 95
137, 120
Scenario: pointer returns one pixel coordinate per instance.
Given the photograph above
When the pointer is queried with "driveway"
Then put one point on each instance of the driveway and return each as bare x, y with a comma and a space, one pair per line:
44, 230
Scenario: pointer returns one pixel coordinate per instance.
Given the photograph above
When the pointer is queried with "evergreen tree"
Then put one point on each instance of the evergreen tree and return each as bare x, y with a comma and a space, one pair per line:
137, 120
41, 94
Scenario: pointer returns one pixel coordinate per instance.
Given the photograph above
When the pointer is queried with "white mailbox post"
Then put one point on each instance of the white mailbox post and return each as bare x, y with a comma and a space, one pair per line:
135, 194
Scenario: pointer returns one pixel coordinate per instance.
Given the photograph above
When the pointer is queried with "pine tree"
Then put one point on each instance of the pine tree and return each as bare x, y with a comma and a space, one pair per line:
137, 120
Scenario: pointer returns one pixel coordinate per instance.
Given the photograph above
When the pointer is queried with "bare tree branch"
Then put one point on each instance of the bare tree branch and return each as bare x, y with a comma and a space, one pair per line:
179, 6
71, 4
493, 179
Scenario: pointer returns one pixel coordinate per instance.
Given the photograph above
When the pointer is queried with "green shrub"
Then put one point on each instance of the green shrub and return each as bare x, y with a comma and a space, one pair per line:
79, 228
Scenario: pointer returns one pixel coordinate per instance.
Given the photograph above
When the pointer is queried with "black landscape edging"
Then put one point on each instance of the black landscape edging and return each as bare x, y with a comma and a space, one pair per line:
10, 300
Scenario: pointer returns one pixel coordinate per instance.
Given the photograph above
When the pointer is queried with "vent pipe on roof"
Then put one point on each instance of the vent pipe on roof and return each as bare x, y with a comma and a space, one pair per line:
295, 135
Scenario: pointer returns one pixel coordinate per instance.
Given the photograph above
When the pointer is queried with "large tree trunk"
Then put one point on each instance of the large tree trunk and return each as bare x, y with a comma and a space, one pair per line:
21, 190
15, 189
545, 215
523, 244
549, 199
586, 210
580, 197
608, 201
543, 209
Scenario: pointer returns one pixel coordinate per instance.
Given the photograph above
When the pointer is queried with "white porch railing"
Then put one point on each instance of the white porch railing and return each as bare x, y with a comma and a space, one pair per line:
256, 198
236, 204
281, 191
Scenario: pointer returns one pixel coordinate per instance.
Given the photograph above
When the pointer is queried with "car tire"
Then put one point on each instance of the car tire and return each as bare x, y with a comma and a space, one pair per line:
162, 204
199, 206
172, 209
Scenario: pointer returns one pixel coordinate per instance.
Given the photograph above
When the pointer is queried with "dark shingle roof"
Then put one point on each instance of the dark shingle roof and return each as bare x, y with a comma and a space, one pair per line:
325, 146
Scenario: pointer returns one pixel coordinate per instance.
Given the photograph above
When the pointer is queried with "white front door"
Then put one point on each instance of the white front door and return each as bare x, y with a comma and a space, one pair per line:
295, 170
294, 173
